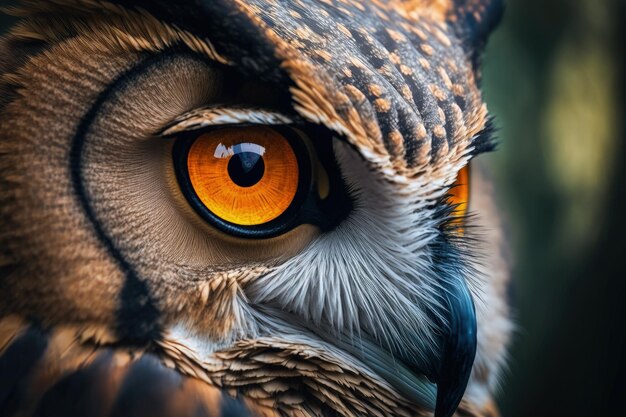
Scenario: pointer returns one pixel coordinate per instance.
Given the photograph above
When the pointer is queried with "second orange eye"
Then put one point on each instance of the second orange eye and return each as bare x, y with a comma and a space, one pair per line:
246, 176
459, 193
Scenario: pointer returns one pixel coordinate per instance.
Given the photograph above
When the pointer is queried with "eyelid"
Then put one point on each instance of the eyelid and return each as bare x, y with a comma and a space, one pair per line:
223, 115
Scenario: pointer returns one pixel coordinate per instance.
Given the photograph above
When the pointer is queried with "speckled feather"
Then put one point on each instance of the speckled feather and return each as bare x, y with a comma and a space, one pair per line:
393, 77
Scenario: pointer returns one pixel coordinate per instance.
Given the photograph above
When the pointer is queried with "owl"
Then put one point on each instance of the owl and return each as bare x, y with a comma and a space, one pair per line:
248, 208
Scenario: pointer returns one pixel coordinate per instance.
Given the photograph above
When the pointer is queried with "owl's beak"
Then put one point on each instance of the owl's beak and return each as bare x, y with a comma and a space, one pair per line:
450, 370
415, 376
459, 348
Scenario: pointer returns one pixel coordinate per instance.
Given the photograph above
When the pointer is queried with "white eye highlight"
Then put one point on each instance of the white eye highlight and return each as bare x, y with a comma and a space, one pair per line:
222, 151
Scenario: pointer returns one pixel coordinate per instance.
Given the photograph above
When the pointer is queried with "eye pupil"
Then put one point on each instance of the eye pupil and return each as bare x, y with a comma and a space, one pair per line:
246, 168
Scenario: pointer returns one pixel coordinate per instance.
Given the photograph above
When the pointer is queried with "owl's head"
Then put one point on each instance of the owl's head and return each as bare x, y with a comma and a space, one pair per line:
229, 174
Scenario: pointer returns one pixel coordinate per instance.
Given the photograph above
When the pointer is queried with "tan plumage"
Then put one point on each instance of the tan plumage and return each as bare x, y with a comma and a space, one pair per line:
117, 287
274, 377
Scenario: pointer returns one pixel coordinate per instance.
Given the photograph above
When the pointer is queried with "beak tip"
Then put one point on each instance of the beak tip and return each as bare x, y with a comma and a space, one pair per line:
451, 388
447, 404
458, 353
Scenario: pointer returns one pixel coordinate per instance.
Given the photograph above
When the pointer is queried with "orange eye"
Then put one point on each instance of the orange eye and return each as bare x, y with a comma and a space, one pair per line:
246, 176
459, 192
258, 182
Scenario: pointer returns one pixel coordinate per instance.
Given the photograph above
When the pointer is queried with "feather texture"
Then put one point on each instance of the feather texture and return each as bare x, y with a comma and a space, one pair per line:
116, 298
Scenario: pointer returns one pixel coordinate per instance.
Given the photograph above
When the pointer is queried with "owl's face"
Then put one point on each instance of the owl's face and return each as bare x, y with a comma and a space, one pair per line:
233, 174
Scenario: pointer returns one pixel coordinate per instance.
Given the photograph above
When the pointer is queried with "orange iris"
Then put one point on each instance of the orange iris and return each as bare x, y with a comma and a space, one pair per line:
245, 175
459, 193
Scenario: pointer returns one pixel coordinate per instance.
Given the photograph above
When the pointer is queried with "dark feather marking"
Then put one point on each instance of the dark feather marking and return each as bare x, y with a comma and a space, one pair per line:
473, 32
233, 407
232, 33
137, 315
200, 411
485, 141
79, 393
144, 391
370, 50
16, 365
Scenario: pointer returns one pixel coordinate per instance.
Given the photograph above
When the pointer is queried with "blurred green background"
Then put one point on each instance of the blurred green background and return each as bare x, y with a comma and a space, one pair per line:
554, 79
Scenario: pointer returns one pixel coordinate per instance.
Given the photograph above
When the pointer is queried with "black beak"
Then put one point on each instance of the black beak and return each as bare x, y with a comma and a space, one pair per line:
459, 347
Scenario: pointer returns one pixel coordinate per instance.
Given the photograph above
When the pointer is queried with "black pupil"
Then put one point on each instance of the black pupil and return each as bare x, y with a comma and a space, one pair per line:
246, 168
